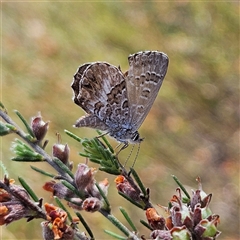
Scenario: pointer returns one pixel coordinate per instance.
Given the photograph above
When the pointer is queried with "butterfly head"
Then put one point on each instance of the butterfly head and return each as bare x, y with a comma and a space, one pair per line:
126, 136
135, 138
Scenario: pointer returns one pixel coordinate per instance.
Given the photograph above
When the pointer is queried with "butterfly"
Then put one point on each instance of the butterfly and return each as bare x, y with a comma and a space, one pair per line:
118, 102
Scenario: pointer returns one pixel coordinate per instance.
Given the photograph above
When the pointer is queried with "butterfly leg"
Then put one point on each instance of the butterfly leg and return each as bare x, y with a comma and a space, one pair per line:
125, 145
102, 135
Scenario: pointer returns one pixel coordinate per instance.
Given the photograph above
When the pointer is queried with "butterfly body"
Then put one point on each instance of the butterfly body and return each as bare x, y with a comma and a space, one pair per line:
119, 102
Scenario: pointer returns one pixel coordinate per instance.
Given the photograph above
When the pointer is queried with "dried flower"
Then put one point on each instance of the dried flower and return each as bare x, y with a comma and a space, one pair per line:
15, 204
56, 227
154, 219
124, 186
192, 220
92, 204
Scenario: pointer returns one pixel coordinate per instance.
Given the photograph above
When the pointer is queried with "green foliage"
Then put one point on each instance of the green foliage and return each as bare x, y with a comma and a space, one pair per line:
24, 153
98, 153
4, 130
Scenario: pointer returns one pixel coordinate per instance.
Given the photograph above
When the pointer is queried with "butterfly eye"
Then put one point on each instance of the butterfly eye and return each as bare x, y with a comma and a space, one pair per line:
136, 137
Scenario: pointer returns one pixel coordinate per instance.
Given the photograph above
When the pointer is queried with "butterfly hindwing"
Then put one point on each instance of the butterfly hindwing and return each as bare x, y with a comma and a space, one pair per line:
100, 89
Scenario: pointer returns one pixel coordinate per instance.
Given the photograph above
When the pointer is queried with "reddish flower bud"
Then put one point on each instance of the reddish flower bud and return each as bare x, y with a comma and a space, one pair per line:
48, 186
83, 176
58, 189
61, 152
39, 127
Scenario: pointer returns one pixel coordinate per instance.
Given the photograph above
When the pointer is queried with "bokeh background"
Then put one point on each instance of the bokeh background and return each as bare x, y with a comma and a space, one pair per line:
193, 127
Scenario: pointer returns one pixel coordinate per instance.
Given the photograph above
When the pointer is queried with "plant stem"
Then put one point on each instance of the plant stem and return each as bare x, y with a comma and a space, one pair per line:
36, 147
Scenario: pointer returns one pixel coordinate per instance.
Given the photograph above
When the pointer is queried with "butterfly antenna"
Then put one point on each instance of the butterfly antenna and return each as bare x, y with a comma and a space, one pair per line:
129, 156
136, 154
117, 151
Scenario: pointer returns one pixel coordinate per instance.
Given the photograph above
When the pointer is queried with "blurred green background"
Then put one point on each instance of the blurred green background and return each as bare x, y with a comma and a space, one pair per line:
193, 127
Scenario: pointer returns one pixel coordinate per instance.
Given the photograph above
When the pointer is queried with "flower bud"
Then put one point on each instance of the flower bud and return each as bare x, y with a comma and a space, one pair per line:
58, 189
39, 127
61, 152
48, 186
83, 176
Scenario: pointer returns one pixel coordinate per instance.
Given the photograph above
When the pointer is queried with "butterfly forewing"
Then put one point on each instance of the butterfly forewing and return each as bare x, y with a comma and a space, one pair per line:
144, 79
